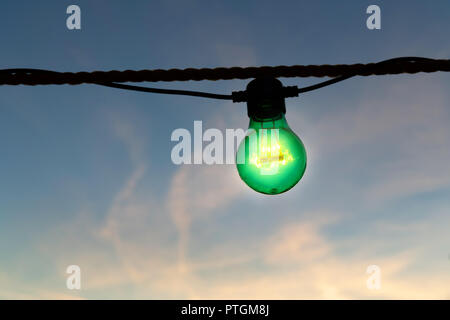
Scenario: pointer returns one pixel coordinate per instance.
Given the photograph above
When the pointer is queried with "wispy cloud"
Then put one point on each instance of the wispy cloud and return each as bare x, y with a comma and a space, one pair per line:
144, 245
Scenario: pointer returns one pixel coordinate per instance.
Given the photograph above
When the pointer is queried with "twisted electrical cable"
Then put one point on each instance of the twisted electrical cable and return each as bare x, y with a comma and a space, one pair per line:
114, 78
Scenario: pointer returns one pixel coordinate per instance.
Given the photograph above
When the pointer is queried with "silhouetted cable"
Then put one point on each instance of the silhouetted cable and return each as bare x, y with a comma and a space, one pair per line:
124, 86
168, 91
393, 66
111, 78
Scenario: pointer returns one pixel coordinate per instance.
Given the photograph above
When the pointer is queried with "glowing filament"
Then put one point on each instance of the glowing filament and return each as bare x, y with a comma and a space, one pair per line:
270, 156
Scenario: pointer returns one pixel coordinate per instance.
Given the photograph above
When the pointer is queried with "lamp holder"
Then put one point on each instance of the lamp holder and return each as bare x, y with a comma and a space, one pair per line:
265, 98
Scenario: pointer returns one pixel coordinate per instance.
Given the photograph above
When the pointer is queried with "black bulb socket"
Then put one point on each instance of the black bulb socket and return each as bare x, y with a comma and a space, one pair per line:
265, 99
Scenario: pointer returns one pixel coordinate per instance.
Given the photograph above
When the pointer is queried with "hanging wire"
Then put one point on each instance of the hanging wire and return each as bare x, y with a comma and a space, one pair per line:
111, 78
383, 65
169, 91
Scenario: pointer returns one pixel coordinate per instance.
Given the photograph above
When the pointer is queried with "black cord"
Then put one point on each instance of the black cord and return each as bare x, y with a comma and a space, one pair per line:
345, 77
237, 96
323, 84
167, 91
130, 87
230, 97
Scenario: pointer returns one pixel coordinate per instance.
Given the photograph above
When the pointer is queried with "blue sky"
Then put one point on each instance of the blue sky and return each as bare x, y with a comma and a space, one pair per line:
86, 176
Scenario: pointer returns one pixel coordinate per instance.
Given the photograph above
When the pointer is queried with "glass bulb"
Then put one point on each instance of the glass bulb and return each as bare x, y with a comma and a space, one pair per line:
271, 159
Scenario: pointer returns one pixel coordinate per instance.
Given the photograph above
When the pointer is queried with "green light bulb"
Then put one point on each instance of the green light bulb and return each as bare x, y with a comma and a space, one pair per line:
271, 159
